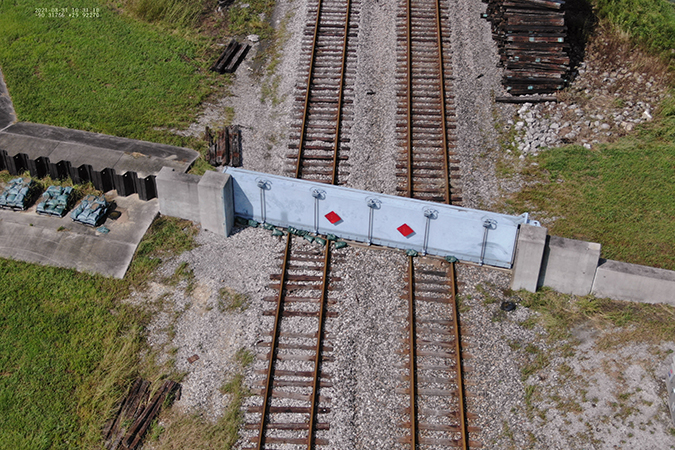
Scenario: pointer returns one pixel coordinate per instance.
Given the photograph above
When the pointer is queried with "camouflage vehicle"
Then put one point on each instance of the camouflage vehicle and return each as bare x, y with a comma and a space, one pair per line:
55, 201
91, 210
19, 194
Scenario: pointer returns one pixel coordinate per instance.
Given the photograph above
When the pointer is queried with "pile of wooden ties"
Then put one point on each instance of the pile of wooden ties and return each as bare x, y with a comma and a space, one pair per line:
532, 40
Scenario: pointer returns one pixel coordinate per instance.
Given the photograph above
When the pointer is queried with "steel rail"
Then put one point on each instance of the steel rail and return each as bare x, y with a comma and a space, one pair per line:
325, 278
319, 346
343, 68
413, 353
443, 112
458, 351
309, 83
464, 440
409, 97
273, 346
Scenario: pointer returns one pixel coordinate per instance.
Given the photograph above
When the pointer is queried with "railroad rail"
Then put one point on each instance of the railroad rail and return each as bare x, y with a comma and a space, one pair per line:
426, 161
426, 165
325, 99
293, 409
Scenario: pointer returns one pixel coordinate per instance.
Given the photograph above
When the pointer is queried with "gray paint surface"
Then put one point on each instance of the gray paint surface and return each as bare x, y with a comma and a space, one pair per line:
569, 265
529, 254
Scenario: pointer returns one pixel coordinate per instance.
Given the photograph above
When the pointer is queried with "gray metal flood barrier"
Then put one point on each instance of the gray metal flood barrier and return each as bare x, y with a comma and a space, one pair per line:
429, 228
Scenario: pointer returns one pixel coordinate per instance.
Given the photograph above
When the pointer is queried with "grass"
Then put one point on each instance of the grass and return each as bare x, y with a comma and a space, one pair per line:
112, 74
623, 321
649, 22
69, 347
197, 432
172, 13
229, 300
618, 195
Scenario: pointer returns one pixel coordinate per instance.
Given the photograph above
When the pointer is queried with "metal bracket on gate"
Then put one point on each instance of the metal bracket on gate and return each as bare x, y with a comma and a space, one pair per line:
488, 224
318, 194
264, 185
429, 214
373, 204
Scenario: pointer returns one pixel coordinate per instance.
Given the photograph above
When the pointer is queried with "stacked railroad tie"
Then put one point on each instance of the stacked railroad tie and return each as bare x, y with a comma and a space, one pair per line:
533, 47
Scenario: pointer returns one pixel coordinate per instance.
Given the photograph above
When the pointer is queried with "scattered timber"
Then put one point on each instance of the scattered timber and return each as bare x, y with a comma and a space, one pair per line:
135, 414
231, 57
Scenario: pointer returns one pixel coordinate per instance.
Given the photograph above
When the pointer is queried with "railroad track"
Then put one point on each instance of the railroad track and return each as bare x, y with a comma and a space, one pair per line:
426, 166
425, 108
325, 96
292, 408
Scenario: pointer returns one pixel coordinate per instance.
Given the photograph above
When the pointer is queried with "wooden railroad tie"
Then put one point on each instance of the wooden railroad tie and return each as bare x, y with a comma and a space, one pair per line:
135, 414
532, 39
231, 57
224, 146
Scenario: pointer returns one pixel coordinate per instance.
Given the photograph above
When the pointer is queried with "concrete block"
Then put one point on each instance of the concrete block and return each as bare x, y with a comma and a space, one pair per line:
625, 281
178, 194
569, 265
216, 202
528, 258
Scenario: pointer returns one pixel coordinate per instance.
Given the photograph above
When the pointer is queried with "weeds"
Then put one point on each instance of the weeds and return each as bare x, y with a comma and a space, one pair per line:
624, 321
230, 301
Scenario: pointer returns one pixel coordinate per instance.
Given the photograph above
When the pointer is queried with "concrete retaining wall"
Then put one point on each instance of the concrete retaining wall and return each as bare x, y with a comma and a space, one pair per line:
568, 265
207, 200
575, 267
625, 281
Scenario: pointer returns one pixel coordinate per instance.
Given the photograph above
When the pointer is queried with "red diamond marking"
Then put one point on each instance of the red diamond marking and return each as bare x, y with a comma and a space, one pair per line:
405, 230
333, 217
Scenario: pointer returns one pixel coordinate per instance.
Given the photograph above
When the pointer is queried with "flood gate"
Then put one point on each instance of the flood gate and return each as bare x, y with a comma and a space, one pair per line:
429, 228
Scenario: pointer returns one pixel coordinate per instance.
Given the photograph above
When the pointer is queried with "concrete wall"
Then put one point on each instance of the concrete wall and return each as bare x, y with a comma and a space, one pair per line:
216, 203
529, 254
568, 265
207, 200
625, 281
178, 194
574, 267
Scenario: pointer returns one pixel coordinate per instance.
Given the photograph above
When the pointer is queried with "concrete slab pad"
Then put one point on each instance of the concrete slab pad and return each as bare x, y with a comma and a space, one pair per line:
177, 157
633, 282
33, 147
7, 114
54, 241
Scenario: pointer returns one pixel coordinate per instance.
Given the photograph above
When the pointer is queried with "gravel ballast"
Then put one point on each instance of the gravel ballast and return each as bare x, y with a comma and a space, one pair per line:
586, 398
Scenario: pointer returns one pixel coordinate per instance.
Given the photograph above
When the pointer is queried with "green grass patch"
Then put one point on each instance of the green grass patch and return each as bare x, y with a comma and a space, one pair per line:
173, 13
69, 347
111, 74
649, 22
618, 194
250, 17
230, 300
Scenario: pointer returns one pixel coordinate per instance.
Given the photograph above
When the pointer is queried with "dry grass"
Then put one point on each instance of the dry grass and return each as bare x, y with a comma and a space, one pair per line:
623, 322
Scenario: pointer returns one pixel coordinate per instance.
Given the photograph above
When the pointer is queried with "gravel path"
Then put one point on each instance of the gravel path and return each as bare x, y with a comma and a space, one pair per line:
525, 391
